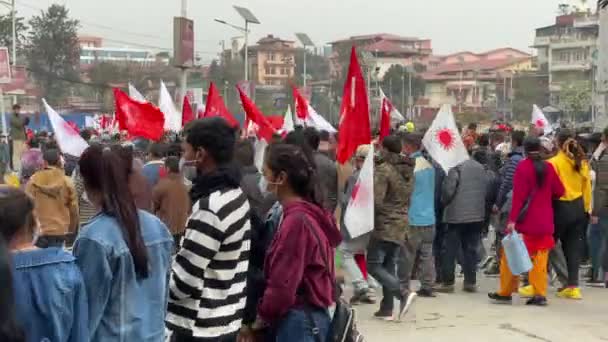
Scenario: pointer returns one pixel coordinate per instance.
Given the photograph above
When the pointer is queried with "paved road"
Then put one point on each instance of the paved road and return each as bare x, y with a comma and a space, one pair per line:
471, 318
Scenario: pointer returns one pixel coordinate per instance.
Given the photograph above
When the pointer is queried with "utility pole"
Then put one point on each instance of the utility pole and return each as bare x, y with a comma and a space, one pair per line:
403, 92
183, 69
246, 51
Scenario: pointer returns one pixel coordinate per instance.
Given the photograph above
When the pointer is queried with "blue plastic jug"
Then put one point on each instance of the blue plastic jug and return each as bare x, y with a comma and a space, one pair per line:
516, 253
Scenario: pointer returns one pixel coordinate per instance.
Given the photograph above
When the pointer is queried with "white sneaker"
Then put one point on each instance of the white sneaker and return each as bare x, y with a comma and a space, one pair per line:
406, 304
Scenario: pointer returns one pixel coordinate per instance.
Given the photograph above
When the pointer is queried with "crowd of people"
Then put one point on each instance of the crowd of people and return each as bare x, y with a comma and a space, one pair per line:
187, 240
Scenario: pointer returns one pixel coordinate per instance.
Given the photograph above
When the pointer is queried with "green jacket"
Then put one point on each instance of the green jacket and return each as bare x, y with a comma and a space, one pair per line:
18, 124
392, 189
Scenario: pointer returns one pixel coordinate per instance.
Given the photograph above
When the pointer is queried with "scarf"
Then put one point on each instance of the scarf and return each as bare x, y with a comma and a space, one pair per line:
224, 177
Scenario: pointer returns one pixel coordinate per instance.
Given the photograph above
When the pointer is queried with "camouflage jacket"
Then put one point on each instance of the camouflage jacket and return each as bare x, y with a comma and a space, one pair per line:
392, 189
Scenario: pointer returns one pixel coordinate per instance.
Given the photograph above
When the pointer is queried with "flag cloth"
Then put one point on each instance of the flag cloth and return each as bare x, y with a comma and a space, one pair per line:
443, 142
288, 125
359, 214
395, 114
139, 119
354, 113
135, 94
385, 118
301, 105
173, 118
216, 107
540, 120
265, 129
187, 113
68, 139
317, 121
259, 153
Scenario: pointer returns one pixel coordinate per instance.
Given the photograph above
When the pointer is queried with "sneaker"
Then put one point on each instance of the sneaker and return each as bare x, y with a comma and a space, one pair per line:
427, 293
570, 293
526, 291
537, 300
384, 315
492, 271
498, 299
367, 296
444, 288
405, 304
470, 288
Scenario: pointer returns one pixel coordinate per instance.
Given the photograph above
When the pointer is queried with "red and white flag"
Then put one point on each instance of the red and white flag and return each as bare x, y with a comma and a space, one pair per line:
359, 214
68, 139
288, 125
253, 114
135, 94
395, 114
173, 118
540, 120
354, 113
301, 105
216, 107
443, 142
308, 116
385, 117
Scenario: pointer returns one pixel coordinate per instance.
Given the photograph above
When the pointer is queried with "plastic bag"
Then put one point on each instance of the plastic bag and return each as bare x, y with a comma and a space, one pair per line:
517, 254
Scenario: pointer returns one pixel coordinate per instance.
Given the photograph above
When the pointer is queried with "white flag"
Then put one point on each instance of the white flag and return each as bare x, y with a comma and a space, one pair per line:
540, 121
173, 117
135, 94
260, 151
318, 121
288, 125
395, 114
89, 122
69, 141
443, 142
359, 214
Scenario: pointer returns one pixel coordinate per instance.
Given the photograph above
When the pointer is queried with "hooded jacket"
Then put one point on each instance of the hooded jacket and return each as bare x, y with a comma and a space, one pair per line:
392, 189
576, 183
56, 205
299, 266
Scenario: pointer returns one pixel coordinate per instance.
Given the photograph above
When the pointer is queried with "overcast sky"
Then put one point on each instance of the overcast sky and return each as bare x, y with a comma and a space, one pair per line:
453, 25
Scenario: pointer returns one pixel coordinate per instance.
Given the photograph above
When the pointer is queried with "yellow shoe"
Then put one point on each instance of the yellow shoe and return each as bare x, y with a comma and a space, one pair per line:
526, 291
570, 293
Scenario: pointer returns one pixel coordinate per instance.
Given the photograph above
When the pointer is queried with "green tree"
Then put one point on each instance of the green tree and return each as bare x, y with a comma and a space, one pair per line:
6, 33
396, 85
575, 99
53, 54
528, 90
317, 67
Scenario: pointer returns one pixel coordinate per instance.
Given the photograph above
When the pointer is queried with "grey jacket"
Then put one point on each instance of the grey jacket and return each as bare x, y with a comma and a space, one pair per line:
328, 176
464, 193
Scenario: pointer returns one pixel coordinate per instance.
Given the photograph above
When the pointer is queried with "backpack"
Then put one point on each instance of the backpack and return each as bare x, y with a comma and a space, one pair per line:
343, 326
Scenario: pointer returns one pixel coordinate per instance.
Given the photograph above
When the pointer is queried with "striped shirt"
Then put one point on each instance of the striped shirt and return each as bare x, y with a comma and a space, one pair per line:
207, 286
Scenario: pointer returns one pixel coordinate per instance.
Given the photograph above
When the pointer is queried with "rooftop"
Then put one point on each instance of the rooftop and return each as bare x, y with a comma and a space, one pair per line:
377, 36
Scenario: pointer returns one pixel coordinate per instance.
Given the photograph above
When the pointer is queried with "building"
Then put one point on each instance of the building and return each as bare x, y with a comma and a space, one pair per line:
382, 50
93, 51
272, 61
472, 81
601, 96
566, 51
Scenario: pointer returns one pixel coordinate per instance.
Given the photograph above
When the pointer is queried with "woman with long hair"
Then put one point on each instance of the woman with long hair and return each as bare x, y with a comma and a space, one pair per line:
572, 210
299, 266
124, 255
47, 286
535, 186
139, 187
9, 328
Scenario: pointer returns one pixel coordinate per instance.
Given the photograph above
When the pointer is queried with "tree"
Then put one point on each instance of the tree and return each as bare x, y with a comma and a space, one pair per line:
6, 32
53, 54
575, 99
317, 67
528, 90
396, 85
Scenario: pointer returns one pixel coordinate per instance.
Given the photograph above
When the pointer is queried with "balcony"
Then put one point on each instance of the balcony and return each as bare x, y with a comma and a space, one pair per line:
280, 62
542, 41
583, 65
566, 42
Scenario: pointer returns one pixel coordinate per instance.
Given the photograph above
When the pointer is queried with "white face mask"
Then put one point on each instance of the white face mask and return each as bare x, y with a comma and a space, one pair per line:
263, 185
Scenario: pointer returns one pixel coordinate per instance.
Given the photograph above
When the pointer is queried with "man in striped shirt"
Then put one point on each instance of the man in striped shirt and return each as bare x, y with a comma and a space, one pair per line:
207, 286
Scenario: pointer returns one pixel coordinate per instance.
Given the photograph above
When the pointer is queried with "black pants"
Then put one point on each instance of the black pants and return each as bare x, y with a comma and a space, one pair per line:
439, 249
468, 237
50, 241
570, 221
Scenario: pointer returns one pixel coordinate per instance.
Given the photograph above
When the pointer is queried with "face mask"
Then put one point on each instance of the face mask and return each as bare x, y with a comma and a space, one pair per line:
263, 186
186, 163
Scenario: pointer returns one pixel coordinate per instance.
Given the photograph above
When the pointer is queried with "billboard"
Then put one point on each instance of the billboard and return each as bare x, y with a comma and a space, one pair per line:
183, 42
5, 66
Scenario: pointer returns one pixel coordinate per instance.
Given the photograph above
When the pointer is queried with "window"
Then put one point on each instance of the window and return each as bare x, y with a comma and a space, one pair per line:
564, 56
267, 70
270, 56
273, 71
578, 56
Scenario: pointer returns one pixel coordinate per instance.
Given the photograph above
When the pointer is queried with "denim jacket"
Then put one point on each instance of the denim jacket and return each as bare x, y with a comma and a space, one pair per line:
123, 307
50, 296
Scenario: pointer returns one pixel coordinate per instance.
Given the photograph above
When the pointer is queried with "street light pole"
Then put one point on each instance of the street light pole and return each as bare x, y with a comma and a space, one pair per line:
14, 15
246, 51
304, 76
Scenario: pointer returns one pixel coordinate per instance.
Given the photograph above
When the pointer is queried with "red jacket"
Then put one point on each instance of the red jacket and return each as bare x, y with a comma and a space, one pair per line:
296, 265
537, 225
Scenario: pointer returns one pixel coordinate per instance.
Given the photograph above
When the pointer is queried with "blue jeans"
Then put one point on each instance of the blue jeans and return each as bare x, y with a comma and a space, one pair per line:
382, 260
297, 327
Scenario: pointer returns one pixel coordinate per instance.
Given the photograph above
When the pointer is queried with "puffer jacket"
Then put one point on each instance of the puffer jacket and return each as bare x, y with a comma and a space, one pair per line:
392, 189
465, 192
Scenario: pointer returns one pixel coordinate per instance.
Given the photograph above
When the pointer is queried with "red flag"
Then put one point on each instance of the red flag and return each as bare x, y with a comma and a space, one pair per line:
187, 113
216, 107
301, 104
265, 129
138, 118
354, 127
385, 118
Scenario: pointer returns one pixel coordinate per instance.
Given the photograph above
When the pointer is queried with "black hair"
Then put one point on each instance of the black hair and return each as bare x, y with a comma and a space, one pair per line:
312, 137
472, 125
324, 135
414, 139
158, 150
172, 164
104, 171
392, 143
52, 157
16, 212
215, 135
517, 138
10, 331
484, 140
85, 134
300, 171
16, 106
297, 138
34, 142
532, 148
244, 153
